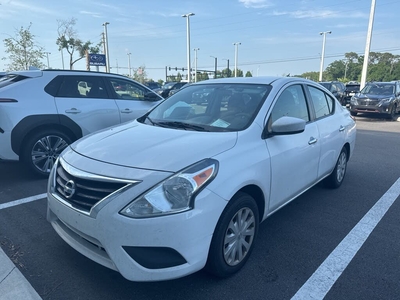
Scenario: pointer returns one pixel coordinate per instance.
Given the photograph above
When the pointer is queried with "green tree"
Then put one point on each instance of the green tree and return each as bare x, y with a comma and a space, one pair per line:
202, 76
239, 73
248, 74
309, 75
226, 73
23, 51
68, 40
140, 74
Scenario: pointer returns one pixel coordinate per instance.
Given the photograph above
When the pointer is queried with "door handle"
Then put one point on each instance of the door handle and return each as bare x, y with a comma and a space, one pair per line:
73, 111
342, 128
312, 141
126, 111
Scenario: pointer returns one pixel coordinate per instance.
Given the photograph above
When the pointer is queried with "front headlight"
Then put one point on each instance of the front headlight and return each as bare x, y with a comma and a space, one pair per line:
175, 194
386, 100
353, 101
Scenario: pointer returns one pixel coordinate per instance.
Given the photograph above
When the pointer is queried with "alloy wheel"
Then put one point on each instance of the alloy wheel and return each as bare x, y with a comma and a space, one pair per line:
46, 151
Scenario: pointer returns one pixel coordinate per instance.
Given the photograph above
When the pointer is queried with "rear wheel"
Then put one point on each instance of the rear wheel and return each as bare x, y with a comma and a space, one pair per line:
234, 235
41, 150
337, 176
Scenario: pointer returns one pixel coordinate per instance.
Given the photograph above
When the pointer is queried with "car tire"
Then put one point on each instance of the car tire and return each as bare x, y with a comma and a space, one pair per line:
335, 179
234, 236
353, 113
40, 151
393, 113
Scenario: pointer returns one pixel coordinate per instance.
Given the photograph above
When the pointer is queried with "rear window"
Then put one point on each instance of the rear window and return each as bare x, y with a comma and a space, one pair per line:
10, 79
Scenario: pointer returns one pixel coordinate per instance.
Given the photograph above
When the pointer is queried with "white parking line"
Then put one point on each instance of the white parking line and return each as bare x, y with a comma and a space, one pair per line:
319, 284
22, 201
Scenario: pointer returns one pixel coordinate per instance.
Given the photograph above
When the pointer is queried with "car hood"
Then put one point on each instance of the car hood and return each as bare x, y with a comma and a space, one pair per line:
373, 96
149, 147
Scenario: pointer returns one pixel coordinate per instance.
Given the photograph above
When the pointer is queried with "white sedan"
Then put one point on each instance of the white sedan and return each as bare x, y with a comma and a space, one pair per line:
186, 186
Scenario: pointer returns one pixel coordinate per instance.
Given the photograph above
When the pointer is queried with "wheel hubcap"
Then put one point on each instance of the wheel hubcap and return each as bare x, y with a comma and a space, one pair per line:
341, 167
239, 236
45, 152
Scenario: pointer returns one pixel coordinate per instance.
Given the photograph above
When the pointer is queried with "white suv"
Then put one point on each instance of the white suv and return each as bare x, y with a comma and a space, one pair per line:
43, 111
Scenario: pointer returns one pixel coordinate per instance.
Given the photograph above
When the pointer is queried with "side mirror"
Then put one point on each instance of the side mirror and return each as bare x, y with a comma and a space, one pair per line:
150, 96
285, 126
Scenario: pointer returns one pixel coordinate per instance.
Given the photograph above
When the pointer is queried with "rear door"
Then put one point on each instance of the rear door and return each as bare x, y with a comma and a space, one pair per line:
331, 126
85, 100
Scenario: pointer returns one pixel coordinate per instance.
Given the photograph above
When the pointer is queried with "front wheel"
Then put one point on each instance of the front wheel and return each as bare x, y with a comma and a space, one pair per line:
393, 113
337, 176
234, 235
41, 150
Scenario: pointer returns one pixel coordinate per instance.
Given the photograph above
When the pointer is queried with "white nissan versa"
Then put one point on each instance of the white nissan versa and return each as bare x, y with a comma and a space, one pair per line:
186, 185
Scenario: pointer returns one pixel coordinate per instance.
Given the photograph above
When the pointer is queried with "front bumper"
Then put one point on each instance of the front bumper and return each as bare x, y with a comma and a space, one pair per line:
383, 109
148, 249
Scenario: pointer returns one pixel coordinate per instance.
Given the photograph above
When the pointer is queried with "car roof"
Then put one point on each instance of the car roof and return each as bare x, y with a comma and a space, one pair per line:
254, 80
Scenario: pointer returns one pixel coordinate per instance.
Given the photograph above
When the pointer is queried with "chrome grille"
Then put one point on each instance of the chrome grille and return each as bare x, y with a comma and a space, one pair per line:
369, 102
80, 193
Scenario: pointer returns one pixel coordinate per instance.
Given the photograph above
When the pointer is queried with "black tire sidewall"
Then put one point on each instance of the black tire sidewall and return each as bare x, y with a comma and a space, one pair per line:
332, 179
216, 263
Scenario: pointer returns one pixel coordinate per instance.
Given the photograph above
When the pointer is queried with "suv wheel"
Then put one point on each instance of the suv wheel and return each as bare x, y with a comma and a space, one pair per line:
393, 112
41, 150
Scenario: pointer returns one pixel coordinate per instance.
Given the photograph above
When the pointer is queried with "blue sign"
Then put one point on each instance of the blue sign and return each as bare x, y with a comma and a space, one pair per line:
97, 59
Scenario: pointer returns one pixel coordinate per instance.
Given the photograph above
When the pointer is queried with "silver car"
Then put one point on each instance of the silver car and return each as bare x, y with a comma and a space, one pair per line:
43, 111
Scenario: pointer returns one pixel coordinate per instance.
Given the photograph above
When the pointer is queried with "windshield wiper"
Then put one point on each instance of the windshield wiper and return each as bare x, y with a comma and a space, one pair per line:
176, 124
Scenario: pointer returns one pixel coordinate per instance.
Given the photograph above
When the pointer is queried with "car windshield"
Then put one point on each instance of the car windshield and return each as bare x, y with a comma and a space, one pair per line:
352, 87
210, 107
378, 89
327, 85
168, 85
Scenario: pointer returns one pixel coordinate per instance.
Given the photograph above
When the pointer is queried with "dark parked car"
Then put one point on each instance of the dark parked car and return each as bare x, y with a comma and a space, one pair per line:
351, 90
337, 88
152, 85
169, 86
377, 97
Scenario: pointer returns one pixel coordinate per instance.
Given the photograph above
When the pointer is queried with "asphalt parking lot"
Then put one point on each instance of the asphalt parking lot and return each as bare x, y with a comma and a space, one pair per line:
331, 244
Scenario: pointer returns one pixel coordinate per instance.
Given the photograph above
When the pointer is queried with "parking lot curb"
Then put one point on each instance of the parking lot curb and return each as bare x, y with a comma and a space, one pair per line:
13, 285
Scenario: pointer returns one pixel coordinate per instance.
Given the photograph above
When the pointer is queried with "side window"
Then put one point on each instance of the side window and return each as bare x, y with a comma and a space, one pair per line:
127, 90
292, 103
93, 87
82, 87
69, 88
323, 103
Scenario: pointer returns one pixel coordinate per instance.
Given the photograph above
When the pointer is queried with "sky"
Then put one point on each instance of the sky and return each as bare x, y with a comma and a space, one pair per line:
277, 37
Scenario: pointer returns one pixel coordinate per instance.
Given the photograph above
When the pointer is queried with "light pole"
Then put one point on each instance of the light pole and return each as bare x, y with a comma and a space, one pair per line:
195, 63
47, 54
215, 66
187, 16
129, 63
368, 45
106, 42
236, 55
323, 53
227, 68
346, 63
